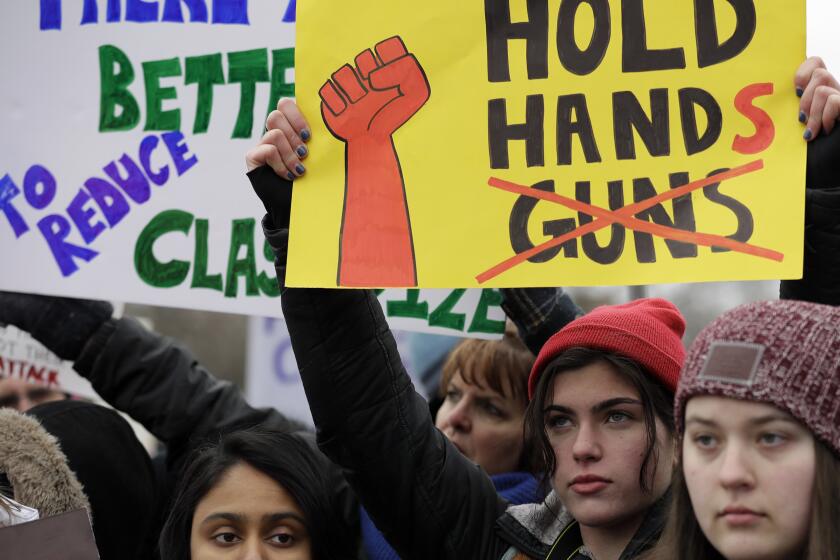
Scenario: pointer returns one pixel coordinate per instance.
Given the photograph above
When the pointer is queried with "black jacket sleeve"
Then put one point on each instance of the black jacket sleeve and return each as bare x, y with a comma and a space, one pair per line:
821, 268
427, 499
161, 385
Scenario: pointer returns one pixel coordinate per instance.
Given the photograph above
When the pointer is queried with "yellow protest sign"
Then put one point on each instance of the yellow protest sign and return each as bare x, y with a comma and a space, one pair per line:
548, 142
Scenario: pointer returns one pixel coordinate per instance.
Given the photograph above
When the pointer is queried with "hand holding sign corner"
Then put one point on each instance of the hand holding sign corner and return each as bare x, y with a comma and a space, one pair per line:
363, 107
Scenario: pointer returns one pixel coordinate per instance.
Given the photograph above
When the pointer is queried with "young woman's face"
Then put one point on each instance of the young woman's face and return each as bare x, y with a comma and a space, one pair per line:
596, 426
248, 516
750, 470
486, 426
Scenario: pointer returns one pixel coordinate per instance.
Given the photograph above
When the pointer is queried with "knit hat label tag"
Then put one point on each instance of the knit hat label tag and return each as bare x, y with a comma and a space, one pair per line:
732, 362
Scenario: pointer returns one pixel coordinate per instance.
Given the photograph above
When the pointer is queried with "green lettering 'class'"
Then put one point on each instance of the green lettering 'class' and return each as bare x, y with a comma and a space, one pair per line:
242, 235
149, 269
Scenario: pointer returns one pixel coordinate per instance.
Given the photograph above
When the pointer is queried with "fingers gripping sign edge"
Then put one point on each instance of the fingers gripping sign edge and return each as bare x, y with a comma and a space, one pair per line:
266, 154
831, 112
818, 117
290, 110
820, 76
805, 71
287, 153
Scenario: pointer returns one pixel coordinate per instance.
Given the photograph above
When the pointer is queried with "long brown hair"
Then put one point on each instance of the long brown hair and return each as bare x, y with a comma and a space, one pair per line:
684, 539
657, 402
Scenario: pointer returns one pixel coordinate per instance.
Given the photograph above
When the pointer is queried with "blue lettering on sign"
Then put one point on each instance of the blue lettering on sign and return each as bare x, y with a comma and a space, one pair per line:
291, 10
8, 191
90, 14
51, 14
268, 325
172, 10
285, 376
97, 206
141, 11
39, 198
55, 229
224, 12
230, 11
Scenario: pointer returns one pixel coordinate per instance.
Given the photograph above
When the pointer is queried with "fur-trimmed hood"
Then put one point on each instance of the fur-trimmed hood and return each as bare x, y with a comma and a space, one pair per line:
36, 467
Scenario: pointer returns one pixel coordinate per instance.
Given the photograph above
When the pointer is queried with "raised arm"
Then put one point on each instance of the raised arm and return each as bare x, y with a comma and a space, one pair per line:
152, 378
427, 499
820, 109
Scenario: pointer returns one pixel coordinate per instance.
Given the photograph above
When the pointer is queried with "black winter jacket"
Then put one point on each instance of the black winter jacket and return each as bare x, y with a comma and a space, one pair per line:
421, 492
426, 497
822, 226
428, 500
160, 384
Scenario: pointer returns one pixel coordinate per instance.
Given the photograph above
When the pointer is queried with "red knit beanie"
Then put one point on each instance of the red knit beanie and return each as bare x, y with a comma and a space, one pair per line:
785, 353
648, 331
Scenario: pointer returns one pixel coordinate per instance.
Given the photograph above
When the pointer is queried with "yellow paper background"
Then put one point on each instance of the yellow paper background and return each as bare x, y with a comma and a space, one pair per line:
460, 225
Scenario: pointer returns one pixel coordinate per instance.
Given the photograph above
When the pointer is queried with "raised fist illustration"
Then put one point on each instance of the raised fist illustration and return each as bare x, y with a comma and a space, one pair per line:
376, 97
363, 107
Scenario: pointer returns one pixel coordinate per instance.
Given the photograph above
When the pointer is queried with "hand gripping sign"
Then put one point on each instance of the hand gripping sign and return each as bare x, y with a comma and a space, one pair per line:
363, 107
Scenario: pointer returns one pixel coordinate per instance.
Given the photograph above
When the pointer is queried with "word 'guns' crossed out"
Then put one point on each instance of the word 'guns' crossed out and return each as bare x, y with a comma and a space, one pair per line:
626, 217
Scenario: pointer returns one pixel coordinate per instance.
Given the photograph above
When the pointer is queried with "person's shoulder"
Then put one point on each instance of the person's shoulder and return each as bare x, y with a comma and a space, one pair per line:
534, 528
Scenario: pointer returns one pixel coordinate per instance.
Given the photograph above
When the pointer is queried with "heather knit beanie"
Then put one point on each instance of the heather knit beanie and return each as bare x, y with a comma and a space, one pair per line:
785, 353
648, 331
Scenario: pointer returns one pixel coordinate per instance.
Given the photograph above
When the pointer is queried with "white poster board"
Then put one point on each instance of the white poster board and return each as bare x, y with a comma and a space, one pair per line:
125, 125
24, 358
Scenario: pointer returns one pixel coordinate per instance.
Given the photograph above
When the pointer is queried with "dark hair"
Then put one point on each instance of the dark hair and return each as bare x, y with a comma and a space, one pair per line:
657, 402
502, 365
683, 538
286, 458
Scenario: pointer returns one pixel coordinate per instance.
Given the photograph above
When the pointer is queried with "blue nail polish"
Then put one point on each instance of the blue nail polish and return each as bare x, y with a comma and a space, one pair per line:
301, 151
802, 117
305, 135
300, 169
799, 92
808, 134
290, 176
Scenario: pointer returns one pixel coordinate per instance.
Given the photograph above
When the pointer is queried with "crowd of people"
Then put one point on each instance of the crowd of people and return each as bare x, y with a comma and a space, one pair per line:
575, 436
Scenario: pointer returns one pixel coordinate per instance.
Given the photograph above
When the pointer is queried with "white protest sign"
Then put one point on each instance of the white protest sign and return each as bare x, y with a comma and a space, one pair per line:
125, 126
24, 358
469, 313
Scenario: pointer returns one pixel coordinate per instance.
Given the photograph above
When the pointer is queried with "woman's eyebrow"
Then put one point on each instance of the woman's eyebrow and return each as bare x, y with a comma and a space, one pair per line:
698, 420
282, 516
609, 403
558, 408
760, 421
224, 516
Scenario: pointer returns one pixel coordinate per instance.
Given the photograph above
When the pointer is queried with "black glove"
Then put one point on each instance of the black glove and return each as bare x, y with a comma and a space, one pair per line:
61, 324
275, 194
821, 266
823, 169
